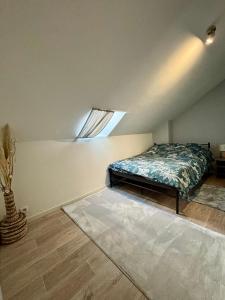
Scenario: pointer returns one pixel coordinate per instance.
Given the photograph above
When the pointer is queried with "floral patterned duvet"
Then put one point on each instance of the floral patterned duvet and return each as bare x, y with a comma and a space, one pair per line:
177, 165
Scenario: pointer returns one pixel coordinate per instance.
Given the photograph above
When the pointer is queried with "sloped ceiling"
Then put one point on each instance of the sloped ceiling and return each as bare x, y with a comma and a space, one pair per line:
60, 58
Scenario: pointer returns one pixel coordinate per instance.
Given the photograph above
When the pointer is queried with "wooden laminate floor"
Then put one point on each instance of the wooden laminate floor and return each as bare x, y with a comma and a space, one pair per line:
56, 260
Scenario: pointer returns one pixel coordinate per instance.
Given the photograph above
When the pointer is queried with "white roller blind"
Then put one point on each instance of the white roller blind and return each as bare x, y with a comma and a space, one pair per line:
96, 122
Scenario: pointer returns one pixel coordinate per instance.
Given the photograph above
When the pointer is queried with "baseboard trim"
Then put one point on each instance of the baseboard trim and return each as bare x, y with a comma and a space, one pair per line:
54, 208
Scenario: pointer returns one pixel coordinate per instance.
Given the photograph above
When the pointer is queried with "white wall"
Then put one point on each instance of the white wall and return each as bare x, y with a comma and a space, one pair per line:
50, 173
163, 133
204, 121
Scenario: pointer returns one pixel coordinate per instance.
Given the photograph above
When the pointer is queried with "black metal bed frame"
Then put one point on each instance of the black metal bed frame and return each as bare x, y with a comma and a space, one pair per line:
144, 183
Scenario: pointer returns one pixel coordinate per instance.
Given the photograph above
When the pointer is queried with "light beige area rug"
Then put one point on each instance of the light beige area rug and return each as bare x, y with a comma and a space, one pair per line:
167, 257
210, 195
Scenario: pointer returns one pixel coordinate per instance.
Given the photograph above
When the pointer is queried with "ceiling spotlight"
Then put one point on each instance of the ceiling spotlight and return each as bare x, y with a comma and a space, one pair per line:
211, 32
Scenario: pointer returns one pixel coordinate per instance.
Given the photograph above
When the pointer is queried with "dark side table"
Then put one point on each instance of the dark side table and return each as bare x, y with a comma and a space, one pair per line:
220, 167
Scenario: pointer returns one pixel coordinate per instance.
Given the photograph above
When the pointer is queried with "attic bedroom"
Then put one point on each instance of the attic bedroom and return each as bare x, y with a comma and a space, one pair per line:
112, 149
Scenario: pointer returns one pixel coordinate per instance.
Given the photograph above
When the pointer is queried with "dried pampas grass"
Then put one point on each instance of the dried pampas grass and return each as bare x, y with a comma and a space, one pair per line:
7, 153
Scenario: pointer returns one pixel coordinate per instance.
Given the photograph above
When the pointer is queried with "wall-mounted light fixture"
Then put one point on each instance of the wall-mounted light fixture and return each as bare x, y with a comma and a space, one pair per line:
211, 32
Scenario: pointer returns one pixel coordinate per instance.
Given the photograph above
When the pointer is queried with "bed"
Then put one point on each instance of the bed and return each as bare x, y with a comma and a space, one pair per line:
173, 167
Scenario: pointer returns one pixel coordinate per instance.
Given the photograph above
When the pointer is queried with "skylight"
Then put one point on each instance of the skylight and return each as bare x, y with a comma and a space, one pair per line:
99, 123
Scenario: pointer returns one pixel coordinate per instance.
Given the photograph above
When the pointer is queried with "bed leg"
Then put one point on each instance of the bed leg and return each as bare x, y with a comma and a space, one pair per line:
110, 181
177, 202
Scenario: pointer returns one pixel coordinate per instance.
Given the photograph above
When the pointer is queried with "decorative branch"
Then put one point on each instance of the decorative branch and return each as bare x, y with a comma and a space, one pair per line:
6, 140
7, 153
1, 185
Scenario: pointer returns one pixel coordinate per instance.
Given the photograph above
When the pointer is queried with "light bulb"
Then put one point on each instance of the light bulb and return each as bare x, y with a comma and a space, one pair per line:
209, 40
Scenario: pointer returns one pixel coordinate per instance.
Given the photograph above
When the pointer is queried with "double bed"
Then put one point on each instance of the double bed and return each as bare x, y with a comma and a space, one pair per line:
175, 167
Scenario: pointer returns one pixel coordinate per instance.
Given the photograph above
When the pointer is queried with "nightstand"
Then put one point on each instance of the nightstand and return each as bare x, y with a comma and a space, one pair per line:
220, 167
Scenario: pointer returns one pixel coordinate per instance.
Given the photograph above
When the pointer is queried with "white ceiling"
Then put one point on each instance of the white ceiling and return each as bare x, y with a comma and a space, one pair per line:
60, 58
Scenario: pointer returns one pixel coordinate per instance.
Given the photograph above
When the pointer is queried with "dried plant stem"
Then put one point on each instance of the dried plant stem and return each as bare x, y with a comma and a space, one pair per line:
1, 184
7, 153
